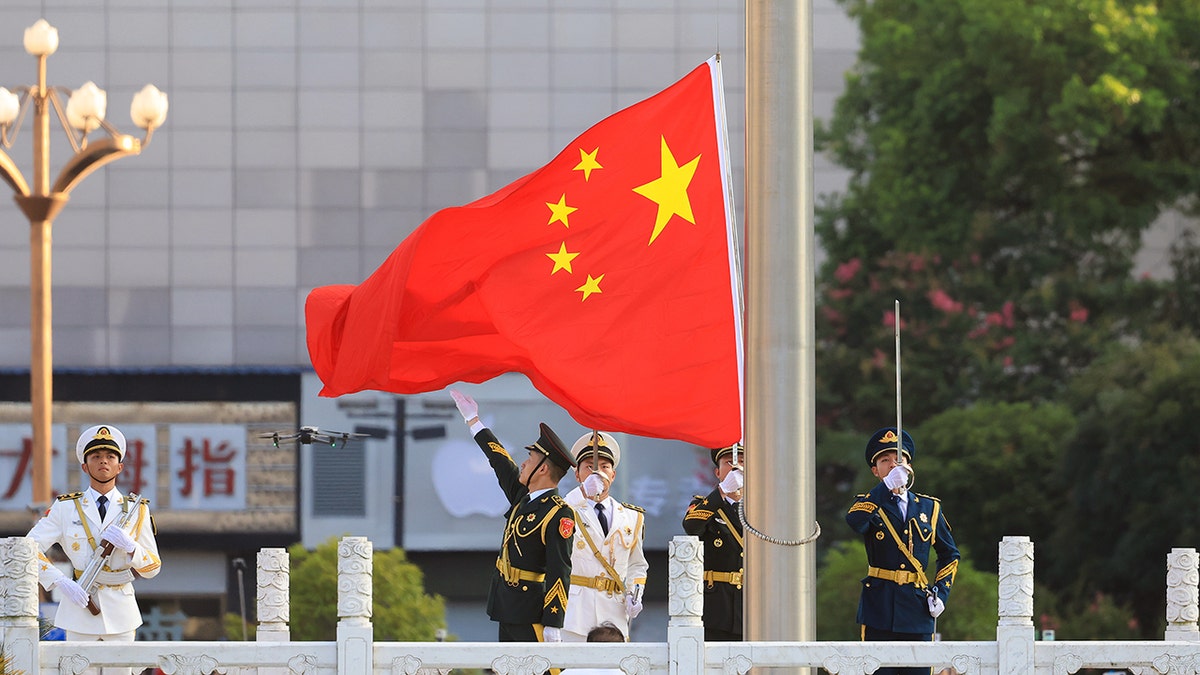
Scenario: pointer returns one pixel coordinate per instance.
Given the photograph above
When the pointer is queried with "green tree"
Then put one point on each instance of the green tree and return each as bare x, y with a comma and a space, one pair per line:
1006, 157
1128, 476
401, 610
993, 465
971, 613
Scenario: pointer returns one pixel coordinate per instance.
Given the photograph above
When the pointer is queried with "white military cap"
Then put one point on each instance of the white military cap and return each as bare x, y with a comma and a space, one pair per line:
100, 437
606, 446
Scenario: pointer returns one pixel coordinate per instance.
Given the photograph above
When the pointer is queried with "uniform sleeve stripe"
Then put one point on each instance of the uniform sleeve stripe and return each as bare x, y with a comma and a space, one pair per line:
556, 594
950, 570
869, 507
698, 514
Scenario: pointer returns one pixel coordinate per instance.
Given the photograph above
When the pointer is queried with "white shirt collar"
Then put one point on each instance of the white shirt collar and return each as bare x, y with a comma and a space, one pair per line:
112, 495
538, 493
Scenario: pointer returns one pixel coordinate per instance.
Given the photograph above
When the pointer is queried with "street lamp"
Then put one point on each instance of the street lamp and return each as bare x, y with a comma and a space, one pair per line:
83, 114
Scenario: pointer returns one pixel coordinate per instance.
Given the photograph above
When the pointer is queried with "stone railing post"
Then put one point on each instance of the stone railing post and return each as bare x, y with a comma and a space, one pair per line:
355, 639
1183, 595
1014, 632
19, 630
685, 605
273, 603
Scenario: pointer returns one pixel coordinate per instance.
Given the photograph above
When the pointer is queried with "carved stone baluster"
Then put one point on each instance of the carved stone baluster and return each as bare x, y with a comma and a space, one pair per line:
19, 629
685, 604
1014, 633
1183, 598
354, 631
274, 610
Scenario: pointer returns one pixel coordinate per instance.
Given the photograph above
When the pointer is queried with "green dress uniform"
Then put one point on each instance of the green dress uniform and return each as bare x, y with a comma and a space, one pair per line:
715, 521
533, 571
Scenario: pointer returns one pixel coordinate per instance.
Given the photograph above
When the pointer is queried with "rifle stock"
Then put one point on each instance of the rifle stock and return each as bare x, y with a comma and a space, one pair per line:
104, 551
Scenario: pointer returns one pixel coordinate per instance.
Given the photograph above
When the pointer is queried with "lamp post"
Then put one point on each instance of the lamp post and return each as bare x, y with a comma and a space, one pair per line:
83, 114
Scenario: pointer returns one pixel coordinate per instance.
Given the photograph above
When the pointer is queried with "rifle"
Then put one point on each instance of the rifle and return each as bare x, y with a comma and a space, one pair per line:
104, 551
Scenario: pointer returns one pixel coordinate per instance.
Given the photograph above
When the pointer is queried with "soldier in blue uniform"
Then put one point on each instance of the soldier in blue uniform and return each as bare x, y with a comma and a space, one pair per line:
528, 595
714, 519
899, 528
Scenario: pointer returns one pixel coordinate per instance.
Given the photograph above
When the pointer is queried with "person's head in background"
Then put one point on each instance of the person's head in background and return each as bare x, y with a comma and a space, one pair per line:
605, 632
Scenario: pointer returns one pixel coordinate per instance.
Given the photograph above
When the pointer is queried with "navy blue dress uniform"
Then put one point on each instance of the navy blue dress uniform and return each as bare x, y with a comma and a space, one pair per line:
894, 604
533, 571
715, 521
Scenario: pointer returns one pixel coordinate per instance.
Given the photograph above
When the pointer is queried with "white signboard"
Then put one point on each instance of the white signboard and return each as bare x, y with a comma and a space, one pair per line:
208, 467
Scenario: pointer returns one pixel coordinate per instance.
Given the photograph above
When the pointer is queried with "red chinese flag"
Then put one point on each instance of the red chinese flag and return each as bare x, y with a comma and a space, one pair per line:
606, 277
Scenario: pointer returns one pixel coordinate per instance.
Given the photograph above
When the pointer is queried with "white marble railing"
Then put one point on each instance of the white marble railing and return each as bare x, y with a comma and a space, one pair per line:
1014, 652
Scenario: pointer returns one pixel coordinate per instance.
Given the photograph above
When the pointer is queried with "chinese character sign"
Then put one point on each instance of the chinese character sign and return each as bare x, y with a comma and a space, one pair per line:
140, 472
16, 464
208, 467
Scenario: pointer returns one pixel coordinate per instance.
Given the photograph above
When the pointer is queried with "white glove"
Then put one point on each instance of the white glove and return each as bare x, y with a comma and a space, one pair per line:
119, 538
732, 482
467, 407
551, 634
936, 606
632, 607
896, 478
73, 591
593, 486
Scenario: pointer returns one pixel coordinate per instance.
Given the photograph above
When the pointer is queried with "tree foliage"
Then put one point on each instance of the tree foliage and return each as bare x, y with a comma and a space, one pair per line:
1128, 476
1005, 159
401, 610
993, 465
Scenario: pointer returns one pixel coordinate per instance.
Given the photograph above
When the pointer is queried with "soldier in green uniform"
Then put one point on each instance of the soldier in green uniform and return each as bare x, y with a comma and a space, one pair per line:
528, 596
714, 519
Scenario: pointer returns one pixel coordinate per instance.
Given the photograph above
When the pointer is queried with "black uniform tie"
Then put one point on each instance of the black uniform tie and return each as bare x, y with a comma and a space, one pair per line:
102, 505
602, 518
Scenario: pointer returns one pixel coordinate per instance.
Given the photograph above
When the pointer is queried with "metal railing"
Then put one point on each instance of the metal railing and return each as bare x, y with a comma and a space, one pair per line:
1014, 651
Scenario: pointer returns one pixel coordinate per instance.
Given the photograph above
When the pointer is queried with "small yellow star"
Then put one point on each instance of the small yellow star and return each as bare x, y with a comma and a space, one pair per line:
592, 285
669, 191
587, 162
562, 259
560, 211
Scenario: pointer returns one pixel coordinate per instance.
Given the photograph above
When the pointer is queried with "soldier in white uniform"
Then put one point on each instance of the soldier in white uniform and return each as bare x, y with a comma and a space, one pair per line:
79, 522
608, 567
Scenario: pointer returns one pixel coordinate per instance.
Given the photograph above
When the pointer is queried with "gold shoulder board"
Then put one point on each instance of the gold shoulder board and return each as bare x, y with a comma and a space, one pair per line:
634, 507
69, 497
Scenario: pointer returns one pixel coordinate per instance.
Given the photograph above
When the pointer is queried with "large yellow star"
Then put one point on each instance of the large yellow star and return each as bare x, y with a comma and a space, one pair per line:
670, 190
590, 286
587, 162
560, 211
562, 259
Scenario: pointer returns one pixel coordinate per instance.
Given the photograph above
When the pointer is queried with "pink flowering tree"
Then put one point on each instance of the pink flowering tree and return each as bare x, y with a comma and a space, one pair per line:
1005, 160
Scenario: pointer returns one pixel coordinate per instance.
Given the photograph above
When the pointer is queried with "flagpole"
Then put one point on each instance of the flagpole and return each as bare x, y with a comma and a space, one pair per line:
780, 494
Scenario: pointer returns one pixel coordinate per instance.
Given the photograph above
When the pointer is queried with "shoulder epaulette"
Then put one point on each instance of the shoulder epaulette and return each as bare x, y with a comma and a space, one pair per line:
68, 497
559, 500
631, 506
930, 497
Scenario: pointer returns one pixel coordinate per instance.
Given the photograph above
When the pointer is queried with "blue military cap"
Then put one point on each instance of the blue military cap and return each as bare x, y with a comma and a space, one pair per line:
884, 440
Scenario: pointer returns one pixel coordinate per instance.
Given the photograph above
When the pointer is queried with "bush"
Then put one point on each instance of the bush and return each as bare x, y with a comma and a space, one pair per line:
401, 609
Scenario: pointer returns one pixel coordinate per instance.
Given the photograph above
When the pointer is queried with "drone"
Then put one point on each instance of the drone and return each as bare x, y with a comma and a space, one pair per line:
310, 435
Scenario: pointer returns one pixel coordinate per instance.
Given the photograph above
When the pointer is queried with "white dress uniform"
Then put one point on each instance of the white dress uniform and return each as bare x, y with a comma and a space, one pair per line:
587, 605
73, 522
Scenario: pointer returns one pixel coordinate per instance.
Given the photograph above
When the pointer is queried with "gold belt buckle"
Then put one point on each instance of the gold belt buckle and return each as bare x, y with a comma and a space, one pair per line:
735, 578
